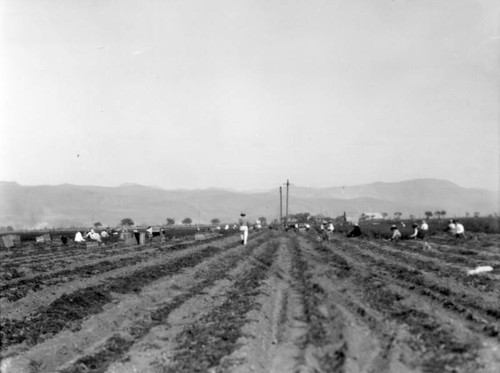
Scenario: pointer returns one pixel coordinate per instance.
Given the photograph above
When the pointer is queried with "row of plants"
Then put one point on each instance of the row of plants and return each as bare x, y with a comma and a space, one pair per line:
382, 228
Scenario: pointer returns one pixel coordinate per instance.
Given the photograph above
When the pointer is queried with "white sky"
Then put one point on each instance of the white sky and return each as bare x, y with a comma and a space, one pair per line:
245, 94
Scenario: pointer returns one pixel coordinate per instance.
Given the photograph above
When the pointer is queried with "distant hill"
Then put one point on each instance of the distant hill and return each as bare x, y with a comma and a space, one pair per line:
74, 205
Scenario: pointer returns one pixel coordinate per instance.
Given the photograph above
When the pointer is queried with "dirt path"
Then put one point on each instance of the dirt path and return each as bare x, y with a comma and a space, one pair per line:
283, 303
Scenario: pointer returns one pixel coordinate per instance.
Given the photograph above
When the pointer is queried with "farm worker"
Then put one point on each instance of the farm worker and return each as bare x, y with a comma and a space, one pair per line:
94, 236
459, 230
79, 237
243, 222
322, 226
258, 224
149, 232
104, 236
396, 234
414, 235
329, 228
137, 235
325, 231
355, 231
97, 237
423, 229
451, 228
64, 240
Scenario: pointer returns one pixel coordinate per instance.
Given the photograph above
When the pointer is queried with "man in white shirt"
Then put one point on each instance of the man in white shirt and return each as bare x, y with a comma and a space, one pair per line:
243, 223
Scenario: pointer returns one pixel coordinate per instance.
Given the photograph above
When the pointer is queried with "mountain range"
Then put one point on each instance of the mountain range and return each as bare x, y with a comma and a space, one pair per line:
76, 205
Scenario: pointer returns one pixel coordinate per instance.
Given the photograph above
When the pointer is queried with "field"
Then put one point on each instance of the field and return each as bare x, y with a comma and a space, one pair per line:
285, 302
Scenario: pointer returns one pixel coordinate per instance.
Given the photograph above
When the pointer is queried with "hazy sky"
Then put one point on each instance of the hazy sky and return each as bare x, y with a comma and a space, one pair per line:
245, 94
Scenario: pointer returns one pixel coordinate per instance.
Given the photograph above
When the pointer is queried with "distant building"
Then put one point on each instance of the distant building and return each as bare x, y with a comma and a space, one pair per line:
372, 215
351, 219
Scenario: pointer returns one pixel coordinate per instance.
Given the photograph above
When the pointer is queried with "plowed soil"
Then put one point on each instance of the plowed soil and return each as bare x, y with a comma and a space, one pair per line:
285, 302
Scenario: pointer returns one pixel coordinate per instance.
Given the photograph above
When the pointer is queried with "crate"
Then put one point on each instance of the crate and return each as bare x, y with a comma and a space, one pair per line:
43, 238
129, 239
142, 238
199, 236
10, 240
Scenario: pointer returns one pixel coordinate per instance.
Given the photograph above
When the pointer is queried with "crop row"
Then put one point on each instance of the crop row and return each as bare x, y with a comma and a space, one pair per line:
380, 302
467, 302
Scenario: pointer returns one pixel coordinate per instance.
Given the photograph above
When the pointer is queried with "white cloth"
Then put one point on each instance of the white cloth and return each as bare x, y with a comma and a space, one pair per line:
459, 229
424, 226
479, 269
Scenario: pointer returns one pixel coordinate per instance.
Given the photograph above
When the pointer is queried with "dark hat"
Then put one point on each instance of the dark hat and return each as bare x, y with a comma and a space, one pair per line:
394, 227
242, 214
414, 225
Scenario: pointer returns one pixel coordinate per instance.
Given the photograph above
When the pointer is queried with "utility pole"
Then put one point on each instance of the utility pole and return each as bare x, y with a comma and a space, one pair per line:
287, 186
281, 208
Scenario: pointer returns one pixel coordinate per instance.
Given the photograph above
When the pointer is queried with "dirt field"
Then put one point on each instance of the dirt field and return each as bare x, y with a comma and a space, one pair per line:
283, 303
